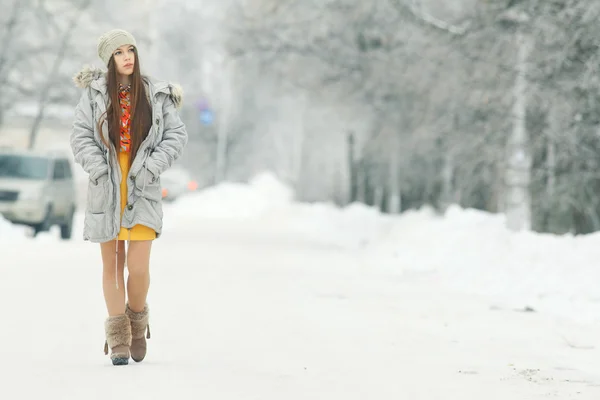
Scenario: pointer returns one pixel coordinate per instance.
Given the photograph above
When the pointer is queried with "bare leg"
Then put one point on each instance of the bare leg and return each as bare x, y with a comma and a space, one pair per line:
113, 296
138, 265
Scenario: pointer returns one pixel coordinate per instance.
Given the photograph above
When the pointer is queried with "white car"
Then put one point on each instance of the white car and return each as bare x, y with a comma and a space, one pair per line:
175, 182
38, 190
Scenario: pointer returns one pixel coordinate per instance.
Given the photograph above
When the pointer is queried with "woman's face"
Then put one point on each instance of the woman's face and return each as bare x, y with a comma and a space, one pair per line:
124, 59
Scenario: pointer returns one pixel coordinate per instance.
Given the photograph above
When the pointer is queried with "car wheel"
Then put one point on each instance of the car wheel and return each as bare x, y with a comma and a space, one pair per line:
66, 228
45, 225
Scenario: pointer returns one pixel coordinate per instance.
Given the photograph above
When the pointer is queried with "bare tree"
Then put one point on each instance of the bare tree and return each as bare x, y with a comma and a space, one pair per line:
44, 94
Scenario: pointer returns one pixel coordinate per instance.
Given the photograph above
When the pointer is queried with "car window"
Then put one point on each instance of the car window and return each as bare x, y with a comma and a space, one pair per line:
59, 172
23, 167
66, 169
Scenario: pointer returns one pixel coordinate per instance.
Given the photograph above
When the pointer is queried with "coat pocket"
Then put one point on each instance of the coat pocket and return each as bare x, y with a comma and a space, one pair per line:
97, 195
96, 226
148, 185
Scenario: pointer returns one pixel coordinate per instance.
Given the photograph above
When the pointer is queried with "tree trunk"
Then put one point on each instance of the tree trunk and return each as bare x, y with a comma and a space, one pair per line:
554, 127
226, 115
361, 183
394, 205
378, 197
351, 166
298, 142
447, 179
518, 173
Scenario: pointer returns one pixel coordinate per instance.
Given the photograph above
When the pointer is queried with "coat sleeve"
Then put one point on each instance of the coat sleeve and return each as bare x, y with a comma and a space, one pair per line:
174, 140
86, 151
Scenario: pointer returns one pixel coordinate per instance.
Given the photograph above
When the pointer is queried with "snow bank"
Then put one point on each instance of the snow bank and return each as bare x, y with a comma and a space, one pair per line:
10, 232
262, 195
352, 227
470, 250
473, 251
6, 228
268, 201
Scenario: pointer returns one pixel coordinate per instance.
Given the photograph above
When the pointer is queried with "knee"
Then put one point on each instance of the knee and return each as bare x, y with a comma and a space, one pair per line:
138, 259
137, 269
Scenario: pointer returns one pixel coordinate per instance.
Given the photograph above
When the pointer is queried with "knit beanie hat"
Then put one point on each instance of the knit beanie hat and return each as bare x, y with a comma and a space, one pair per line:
112, 40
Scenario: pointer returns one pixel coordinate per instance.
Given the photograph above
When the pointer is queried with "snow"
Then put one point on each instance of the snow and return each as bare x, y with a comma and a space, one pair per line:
467, 249
10, 232
256, 296
235, 200
473, 251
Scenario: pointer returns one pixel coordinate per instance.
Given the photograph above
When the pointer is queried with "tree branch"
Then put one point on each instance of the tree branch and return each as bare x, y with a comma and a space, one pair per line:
430, 20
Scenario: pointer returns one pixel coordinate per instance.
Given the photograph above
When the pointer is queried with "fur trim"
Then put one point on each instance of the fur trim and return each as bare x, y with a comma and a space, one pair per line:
139, 321
84, 78
118, 331
176, 94
89, 73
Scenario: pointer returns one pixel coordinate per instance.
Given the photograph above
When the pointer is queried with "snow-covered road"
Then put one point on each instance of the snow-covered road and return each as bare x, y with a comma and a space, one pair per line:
248, 310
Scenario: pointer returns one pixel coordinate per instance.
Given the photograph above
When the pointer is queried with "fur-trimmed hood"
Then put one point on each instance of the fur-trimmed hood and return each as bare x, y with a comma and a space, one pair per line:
90, 76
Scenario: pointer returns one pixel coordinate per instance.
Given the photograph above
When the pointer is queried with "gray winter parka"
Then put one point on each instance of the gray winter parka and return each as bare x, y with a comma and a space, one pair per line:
164, 144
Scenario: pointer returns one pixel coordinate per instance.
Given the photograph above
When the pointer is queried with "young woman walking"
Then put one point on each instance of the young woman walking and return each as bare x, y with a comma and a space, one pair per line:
126, 132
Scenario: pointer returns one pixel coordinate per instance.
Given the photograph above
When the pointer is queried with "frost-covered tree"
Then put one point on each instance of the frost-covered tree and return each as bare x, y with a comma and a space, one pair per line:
35, 39
494, 108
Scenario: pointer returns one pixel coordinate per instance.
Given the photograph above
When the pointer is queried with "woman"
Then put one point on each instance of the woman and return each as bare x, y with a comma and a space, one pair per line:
126, 132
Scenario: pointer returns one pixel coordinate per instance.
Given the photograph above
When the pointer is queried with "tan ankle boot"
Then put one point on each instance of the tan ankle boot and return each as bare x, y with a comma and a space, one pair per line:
118, 338
139, 327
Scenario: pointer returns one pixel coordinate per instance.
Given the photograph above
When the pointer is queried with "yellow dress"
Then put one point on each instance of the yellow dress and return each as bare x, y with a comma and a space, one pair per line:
138, 232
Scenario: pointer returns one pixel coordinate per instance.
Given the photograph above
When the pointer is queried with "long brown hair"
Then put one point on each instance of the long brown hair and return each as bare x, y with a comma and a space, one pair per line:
141, 113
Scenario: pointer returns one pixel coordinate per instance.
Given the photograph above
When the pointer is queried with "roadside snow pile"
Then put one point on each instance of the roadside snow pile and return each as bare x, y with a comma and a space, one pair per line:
470, 250
353, 227
235, 200
473, 251
269, 202
10, 232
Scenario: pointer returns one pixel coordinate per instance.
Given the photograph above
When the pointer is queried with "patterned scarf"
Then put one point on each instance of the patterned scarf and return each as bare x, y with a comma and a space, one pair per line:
125, 103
